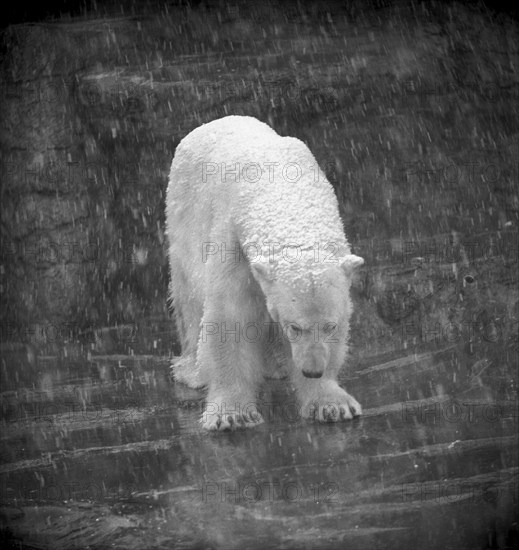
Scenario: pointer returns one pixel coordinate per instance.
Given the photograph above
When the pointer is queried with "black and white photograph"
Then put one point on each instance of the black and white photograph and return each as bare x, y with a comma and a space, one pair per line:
259, 275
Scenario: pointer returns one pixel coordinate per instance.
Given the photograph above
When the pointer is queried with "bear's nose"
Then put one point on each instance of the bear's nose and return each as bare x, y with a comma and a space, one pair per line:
312, 374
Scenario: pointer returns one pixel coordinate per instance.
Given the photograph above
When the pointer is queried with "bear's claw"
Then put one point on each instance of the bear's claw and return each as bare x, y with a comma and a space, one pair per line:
335, 411
230, 422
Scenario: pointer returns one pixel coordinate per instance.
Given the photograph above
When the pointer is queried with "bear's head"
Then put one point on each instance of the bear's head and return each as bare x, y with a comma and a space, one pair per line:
312, 309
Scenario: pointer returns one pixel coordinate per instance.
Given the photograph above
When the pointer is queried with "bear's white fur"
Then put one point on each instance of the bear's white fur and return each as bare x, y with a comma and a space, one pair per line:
260, 272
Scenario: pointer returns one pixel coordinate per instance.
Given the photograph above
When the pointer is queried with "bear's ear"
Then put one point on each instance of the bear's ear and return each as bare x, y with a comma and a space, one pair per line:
351, 263
262, 274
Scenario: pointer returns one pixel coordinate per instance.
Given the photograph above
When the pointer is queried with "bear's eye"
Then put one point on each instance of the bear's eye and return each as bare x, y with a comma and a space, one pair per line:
328, 328
295, 328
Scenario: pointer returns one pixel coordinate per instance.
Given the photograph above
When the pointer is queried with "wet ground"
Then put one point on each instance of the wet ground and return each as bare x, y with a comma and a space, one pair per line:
108, 452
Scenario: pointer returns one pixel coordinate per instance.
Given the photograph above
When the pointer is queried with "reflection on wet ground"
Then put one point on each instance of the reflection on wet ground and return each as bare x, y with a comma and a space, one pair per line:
108, 452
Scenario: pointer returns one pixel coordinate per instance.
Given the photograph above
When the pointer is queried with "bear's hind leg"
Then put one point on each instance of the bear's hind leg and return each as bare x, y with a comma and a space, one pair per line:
276, 362
187, 310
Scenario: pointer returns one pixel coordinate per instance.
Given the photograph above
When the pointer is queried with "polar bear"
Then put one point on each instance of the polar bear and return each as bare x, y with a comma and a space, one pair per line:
260, 272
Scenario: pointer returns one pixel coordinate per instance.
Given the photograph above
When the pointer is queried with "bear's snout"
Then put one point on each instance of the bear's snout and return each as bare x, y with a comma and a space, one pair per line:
312, 374
312, 360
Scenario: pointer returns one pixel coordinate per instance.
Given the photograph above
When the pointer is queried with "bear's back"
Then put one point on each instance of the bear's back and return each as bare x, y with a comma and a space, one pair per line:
226, 138
285, 199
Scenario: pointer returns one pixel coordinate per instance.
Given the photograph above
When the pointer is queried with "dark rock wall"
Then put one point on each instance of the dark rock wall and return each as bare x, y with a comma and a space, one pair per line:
411, 109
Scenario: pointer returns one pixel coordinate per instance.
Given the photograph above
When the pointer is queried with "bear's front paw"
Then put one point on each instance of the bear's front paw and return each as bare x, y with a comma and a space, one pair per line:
334, 408
231, 420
